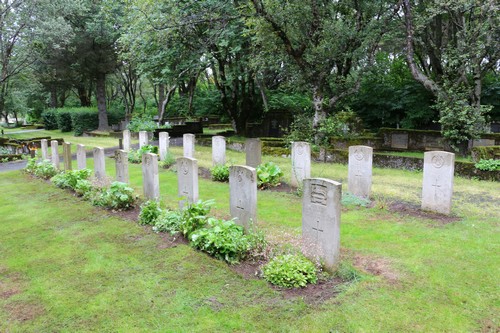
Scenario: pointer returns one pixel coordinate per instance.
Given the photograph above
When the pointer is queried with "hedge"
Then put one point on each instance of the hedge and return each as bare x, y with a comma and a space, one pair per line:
63, 117
49, 119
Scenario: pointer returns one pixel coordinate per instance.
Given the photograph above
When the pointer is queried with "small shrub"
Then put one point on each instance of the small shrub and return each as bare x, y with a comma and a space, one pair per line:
221, 239
44, 169
150, 211
69, 179
194, 216
84, 119
169, 221
488, 165
220, 173
49, 119
268, 175
349, 199
83, 188
63, 117
135, 156
168, 161
290, 271
118, 196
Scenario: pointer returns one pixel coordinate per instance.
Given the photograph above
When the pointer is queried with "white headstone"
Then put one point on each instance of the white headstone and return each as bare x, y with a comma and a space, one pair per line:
188, 145
243, 194
67, 155
150, 179
143, 138
301, 163
253, 149
126, 140
54, 146
187, 180
45, 149
121, 164
164, 142
437, 189
99, 163
321, 218
359, 179
218, 150
81, 157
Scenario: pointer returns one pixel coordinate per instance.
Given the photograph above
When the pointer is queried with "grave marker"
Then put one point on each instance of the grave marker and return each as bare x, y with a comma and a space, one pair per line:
321, 218
143, 138
67, 155
121, 165
253, 149
301, 163
243, 195
54, 145
126, 140
360, 171
81, 157
437, 189
187, 180
99, 163
218, 150
188, 145
399, 140
45, 149
164, 142
150, 179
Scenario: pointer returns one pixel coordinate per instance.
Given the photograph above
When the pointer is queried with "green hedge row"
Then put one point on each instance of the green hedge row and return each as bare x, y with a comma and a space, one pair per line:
77, 120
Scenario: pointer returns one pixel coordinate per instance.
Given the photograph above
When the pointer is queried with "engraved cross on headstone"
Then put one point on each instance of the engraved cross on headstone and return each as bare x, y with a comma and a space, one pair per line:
317, 229
240, 205
436, 188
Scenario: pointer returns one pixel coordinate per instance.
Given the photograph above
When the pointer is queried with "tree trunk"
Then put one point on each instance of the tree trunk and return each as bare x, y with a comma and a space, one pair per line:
101, 101
161, 98
319, 116
53, 96
83, 96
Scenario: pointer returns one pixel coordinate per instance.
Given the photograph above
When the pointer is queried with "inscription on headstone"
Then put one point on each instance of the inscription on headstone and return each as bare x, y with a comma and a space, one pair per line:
188, 145
399, 140
187, 180
150, 179
301, 163
218, 150
99, 163
243, 195
253, 149
360, 171
321, 218
164, 142
81, 157
54, 146
143, 138
121, 164
437, 189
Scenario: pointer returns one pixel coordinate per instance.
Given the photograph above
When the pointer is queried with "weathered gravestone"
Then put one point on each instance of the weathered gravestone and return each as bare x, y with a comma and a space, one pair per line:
150, 179
399, 140
45, 149
187, 180
126, 140
301, 162
99, 163
243, 195
143, 138
164, 142
121, 165
67, 155
437, 189
253, 149
188, 145
218, 150
81, 157
321, 218
54, 146
360, 171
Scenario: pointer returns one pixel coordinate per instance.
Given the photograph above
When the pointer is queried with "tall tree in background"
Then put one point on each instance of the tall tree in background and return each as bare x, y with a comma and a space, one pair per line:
450, 47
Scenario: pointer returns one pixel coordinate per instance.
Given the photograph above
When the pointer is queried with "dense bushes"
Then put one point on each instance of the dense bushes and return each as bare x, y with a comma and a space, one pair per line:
84, 119
49, 119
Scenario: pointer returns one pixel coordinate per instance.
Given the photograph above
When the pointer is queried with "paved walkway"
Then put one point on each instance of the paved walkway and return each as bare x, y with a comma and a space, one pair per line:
24, 131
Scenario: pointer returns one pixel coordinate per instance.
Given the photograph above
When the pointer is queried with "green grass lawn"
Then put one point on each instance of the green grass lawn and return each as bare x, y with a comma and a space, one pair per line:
66, 266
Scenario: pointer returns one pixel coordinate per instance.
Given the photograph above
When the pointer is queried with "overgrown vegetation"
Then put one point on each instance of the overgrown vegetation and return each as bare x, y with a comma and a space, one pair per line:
43, 169
220, 173
268, 175
135, 155
488, 165
290, 271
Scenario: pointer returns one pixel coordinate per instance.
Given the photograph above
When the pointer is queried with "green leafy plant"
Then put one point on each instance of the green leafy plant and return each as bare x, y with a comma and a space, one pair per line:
135, 156
144, 124
488, 165
44, 169
118, 196
221, 239
194, 216
220, 173
84, 188
69, 179
268, 175
150, 211
290, 271
168, 161
168, 221
349, 199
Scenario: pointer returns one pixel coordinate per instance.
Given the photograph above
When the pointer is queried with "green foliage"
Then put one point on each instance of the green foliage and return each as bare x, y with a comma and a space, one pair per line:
349, 199
84, 188
220, 173
268, 175
118, 196
194, 216
150, 211
300, 129
135, 156
347, 272
168, 161
49, 119
63, 117
84, 119
144, 124
290, 271
168, 221
69, 179
44, 169
488, 165
221, 239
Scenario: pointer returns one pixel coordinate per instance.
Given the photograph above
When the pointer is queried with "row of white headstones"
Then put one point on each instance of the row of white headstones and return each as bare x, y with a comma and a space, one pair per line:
321, 203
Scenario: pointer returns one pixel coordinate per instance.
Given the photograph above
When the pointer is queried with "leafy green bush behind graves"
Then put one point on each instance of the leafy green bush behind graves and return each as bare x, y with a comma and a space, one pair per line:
488, 165
268, 175
135, 156
220, 173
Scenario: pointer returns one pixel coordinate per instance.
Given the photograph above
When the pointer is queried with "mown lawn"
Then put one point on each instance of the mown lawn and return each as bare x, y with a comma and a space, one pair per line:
66, 266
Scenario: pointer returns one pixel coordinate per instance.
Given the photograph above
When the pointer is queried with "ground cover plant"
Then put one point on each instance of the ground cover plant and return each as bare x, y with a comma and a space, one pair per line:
418, 273
135, 155
220, 173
